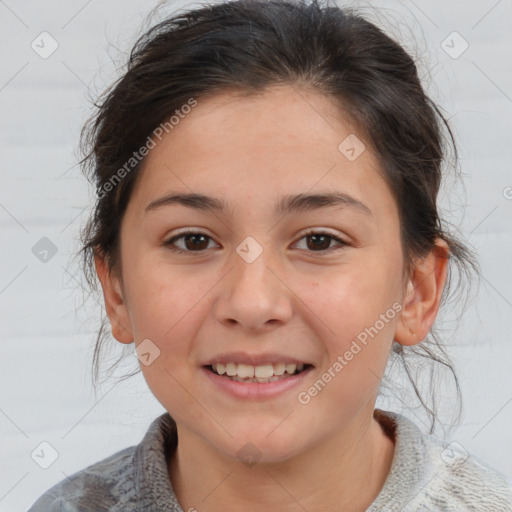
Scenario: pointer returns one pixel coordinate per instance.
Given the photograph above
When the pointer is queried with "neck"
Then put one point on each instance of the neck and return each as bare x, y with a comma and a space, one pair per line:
343, 472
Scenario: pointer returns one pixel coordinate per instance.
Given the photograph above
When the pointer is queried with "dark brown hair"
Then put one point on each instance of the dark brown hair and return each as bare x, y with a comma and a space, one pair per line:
246, 46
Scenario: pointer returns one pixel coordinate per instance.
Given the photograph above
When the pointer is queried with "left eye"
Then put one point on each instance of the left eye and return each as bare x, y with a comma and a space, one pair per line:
197, 242
320, 241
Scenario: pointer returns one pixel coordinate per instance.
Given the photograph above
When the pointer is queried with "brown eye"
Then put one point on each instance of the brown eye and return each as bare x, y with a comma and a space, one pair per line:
321, 242
192, 242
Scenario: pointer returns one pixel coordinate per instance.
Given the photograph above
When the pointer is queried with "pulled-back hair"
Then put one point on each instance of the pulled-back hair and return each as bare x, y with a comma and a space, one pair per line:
246, 46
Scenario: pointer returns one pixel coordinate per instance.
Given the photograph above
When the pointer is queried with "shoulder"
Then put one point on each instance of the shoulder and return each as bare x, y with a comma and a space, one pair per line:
135, 479
462, 481
98, 487
428, 473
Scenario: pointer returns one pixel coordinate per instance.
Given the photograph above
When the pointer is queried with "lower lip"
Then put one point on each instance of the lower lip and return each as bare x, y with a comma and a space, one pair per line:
255, 390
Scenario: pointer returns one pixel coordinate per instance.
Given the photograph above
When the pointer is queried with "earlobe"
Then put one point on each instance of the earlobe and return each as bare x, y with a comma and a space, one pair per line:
423, 296
115, 305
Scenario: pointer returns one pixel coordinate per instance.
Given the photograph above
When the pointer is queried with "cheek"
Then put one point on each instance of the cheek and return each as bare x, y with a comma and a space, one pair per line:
355, 307
165, 310
162, 297
350, 299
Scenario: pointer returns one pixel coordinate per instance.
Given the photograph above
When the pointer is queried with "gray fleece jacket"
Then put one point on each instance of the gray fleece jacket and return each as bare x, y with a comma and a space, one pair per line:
427, 474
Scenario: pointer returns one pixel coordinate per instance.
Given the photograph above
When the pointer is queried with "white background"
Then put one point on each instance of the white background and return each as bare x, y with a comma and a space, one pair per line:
48, 335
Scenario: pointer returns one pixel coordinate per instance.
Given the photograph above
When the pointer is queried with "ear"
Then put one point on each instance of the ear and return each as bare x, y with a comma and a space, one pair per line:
423, 295
114, 302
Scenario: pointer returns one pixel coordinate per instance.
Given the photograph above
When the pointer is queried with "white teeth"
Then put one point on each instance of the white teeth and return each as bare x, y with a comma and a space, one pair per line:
231, 369
260, 373
264, 372
246, 371
290, 368
279, 368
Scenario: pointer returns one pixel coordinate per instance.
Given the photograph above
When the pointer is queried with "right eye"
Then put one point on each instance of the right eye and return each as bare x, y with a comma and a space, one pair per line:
193, 241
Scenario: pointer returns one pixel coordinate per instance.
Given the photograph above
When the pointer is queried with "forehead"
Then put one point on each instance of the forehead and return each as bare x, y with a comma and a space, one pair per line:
262, 147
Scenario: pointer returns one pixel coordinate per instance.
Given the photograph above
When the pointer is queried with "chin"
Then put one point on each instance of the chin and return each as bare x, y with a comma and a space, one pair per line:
251, 446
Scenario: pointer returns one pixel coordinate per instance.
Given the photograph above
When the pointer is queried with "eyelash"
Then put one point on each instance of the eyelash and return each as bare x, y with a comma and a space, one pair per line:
169, 243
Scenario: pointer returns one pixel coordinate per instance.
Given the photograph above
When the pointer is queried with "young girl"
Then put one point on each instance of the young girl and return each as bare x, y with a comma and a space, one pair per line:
266, 234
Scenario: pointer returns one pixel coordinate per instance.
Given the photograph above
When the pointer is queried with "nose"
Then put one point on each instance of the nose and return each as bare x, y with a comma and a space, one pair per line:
253, 296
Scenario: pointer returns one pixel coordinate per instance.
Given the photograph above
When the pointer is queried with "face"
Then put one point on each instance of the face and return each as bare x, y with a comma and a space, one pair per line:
302, 284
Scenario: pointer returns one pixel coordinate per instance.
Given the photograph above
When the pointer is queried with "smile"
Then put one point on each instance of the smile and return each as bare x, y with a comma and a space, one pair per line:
261, 374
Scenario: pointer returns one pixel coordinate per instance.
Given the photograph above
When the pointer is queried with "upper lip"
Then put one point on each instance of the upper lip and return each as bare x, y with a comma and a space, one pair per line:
253, 359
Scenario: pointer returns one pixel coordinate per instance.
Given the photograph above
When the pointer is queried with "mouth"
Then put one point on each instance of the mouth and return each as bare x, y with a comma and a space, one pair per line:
262, 374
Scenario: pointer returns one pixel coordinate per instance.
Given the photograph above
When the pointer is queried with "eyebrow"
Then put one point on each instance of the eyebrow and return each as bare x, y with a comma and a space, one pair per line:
286, 205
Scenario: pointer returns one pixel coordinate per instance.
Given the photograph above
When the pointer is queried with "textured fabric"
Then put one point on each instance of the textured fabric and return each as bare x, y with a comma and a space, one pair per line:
426, 474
